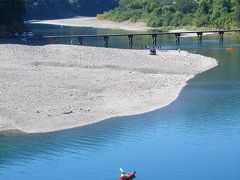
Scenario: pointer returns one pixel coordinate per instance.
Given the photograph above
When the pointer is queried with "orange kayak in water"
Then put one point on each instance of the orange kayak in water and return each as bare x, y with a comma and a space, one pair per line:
231, 49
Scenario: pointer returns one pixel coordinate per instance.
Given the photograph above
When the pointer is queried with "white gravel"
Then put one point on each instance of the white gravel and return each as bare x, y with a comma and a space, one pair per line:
55, 87
95, 23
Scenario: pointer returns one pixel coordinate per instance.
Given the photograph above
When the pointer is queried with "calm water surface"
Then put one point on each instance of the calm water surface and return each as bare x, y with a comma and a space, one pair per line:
197, 137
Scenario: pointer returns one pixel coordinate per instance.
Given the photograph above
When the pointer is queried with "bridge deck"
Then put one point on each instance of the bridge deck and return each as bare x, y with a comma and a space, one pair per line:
144, 34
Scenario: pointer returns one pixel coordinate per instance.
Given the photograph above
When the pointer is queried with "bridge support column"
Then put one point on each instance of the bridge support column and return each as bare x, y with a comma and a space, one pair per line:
199, 34
221, 33
80, 40
105, 41
130, 41
177, 36
154, 36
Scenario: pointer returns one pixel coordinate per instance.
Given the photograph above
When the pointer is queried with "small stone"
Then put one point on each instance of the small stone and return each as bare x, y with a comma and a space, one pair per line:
70, 112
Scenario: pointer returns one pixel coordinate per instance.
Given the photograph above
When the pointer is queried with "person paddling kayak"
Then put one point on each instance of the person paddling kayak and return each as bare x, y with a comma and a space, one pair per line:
125, 176
122, 174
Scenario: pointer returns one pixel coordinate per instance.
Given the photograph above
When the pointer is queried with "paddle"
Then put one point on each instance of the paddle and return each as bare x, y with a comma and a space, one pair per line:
121, 170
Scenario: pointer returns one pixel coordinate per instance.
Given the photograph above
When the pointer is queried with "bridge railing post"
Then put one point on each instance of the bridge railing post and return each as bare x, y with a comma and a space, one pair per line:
177, 36
154, 36
130, 41
105, 41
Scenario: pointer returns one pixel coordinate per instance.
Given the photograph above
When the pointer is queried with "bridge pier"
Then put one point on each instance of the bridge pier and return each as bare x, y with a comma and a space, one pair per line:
199, 34
105, 41
154, 36
177, 36
130, 41
80, 40
221, 33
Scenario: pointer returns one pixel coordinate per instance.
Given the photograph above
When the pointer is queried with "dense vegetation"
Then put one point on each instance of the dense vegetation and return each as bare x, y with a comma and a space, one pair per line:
200, 13
11, 15
13, 11
48, 9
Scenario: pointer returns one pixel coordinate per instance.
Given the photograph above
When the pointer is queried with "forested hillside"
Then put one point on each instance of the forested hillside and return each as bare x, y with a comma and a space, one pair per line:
11, 15
49, 9
12, 12
204, 13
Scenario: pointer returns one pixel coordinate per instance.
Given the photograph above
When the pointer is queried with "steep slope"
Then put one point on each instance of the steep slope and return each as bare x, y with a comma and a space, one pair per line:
50, 9
11, 16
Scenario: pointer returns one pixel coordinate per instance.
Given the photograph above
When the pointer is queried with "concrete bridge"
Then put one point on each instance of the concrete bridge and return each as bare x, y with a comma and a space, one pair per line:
154, 36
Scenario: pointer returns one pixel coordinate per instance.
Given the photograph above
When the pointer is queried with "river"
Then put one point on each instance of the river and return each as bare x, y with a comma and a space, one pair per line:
197, 137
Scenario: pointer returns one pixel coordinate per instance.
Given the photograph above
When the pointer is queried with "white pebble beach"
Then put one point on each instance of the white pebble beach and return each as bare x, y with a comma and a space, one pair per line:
93, 22
55, 87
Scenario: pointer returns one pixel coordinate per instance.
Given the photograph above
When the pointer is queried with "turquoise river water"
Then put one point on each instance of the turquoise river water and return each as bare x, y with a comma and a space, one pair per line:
197, 137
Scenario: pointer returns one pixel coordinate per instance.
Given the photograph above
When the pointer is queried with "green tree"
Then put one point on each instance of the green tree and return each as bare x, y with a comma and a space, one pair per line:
185, 6
237, 12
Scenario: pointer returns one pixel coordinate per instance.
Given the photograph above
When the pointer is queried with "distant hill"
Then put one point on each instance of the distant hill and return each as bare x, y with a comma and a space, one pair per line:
11, 16
51, 9
157, 13
12, 12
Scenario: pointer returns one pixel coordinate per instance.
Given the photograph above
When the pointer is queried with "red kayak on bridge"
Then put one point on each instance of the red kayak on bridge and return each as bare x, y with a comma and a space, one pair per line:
129, 176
